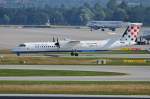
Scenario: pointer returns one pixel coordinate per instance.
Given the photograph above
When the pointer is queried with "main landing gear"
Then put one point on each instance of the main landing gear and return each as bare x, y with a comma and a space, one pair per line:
74, 53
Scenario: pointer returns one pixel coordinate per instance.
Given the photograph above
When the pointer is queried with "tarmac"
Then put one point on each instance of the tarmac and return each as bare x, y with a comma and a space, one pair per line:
68, 96
134, 73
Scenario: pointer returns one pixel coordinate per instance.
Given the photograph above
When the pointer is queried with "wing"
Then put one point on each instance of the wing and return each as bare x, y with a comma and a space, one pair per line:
71, 44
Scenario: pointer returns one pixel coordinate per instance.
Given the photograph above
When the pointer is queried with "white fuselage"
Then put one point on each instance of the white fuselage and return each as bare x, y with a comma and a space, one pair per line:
68, 46
129, 37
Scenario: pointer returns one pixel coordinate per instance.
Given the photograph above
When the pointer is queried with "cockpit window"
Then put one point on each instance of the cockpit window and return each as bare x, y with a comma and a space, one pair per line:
22, 45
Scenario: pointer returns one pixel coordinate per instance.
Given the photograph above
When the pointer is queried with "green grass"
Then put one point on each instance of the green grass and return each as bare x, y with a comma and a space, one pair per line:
29, 60
71, 61
14, 72
76, 87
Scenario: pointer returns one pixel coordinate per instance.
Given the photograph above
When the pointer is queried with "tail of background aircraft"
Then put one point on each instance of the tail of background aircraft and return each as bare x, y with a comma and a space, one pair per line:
131, 33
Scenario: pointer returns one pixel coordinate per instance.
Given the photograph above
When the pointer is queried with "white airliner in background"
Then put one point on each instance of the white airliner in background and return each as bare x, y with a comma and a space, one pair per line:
129, 37
111, 25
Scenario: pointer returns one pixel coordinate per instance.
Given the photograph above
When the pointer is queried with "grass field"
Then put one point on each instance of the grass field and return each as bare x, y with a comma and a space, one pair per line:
6, 57
13, 72
23, 60
76, 87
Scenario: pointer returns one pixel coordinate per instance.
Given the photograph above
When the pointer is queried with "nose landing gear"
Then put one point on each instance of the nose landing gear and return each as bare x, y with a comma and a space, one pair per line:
18, 54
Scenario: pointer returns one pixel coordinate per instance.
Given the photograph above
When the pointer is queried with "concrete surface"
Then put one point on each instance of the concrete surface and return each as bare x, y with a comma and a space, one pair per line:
135, 73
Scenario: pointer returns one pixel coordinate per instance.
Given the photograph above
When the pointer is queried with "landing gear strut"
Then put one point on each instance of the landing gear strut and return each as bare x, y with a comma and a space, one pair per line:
72, 53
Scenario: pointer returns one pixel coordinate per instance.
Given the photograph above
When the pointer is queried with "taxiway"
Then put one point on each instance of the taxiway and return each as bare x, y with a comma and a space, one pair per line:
135, 73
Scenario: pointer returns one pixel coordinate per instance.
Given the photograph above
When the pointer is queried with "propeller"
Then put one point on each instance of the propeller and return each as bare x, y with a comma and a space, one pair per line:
57, 43
53, 39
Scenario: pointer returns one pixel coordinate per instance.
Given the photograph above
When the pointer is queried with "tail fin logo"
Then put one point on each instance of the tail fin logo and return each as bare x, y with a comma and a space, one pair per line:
132, 32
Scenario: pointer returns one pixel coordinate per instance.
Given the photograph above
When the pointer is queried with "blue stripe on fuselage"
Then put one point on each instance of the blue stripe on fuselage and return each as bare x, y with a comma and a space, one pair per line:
60, 51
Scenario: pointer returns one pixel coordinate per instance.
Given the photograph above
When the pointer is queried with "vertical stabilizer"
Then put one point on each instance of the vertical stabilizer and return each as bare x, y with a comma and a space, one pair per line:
131, 33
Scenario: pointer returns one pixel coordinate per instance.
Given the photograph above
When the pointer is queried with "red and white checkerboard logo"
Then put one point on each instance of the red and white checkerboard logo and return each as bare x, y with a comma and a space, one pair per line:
131, 32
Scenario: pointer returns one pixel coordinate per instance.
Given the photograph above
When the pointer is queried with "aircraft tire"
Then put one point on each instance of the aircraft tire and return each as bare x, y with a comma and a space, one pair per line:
72, 53
102, 29
76, 54
18, 54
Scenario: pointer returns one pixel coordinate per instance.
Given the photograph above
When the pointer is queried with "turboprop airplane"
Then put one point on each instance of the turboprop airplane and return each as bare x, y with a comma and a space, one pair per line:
129, 37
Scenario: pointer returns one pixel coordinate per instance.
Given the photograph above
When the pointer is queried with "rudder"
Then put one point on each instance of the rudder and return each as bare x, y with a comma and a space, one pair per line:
131, 33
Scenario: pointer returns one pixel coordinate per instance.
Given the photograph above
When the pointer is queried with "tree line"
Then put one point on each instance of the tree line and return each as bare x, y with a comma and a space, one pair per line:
75, 15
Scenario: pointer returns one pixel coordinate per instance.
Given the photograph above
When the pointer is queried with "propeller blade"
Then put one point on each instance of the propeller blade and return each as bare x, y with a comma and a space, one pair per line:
53, 39
57, 40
